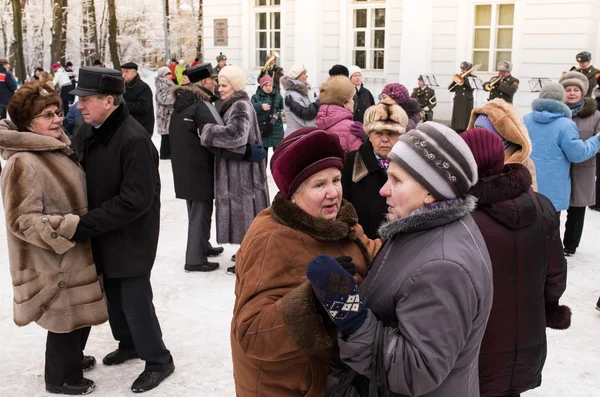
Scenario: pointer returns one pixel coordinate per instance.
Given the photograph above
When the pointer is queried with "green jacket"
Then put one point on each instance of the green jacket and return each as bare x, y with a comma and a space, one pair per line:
179, 69
274, 98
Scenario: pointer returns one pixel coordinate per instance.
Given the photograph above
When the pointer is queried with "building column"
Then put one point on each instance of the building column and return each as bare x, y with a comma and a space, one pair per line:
415, 50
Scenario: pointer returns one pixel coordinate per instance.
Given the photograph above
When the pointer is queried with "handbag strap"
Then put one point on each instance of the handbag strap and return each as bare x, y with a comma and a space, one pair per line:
379, 381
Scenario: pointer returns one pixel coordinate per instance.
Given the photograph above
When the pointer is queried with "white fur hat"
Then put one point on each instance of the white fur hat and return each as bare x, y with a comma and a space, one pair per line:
354, 69
383, 117
296, 71
235, 76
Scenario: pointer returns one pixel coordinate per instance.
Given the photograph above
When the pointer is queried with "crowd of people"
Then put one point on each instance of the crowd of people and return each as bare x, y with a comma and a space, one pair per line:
392, 257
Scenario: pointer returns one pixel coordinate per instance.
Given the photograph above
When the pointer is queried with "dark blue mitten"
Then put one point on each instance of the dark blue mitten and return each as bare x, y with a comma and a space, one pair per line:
338, 293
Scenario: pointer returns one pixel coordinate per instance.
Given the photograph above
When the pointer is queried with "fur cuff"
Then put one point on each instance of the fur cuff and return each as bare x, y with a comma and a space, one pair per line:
304, 319
558, 317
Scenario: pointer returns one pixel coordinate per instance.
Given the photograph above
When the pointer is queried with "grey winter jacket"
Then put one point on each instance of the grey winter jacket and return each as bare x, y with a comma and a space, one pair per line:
164, 104
431, 285
583, 175
303, 110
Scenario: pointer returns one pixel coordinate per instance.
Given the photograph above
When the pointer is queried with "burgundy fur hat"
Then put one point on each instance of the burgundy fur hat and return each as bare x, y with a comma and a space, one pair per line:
488, 150
303, 154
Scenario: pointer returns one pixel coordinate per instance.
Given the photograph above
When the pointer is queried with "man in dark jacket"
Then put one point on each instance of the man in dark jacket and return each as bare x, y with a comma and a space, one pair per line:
521, 231
425, 95
123, 221
463, 100
193, 166
138, 97
8, 86
363, 99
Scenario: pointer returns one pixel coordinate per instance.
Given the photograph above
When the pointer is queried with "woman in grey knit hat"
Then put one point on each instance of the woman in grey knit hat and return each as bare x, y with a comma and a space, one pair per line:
431, 283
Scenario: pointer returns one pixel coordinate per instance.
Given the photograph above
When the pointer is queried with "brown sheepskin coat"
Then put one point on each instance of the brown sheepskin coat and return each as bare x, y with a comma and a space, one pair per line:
43, 190
282, 341
509, 124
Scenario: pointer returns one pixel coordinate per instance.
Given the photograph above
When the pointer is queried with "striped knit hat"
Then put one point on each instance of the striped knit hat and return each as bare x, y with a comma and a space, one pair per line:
438, 158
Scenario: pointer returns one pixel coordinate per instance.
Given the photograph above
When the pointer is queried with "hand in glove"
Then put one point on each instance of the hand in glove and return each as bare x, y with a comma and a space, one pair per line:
338, 293
358, 130
255, 153
346, 263
85, 230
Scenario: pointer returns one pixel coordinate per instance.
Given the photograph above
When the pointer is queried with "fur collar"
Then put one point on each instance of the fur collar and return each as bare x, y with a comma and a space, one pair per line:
237, 96
288, 214
514, 181
12, 141
552, 106
194, 90
411, 107
588, 108
429, 217
365, 162
294, 85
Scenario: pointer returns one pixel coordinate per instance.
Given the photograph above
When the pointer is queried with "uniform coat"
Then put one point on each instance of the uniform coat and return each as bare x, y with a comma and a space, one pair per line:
281, 340
413, 111
362, 179
274, 100
463, 105
583, 175
556, 144
193, 164
362, 101
427, 100
506, 89
509, 124
337, 120
43, 190
431, 286
138, 98
240, 186
164, 104
523, 227
302, 113
123, 184
592, 75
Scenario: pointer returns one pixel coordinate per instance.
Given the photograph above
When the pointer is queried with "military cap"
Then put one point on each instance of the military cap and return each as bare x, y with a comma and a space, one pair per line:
98, 80
221, 57
505, 66
584, 56
466, 65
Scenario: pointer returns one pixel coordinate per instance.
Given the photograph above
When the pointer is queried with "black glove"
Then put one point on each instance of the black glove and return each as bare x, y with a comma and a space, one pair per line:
346, 263
85, 230
255, 153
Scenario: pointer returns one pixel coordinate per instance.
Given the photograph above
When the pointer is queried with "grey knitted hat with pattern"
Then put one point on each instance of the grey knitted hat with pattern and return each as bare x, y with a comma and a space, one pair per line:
438, 158
553, 91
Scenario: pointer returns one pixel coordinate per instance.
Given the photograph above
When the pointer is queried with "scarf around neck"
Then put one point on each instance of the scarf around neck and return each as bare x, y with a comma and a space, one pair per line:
383, 163
575, 109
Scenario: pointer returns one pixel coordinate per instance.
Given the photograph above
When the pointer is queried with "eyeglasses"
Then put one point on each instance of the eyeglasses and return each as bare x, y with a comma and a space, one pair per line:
50, 115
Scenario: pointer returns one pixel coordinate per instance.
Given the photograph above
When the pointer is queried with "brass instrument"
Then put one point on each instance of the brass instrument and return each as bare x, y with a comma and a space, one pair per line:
573, 69
459, 79
274, 55
493, 83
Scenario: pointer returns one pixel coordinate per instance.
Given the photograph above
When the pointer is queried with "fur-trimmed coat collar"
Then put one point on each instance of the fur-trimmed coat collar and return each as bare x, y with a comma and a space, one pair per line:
429, 216
365, 162
12, 141
512, 182
237, 96
186, 95
588, 108
552, 106
294, 85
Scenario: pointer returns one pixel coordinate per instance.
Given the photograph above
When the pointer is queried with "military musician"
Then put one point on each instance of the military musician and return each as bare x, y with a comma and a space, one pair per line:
585, 66
425, 95
463, 97
503, 86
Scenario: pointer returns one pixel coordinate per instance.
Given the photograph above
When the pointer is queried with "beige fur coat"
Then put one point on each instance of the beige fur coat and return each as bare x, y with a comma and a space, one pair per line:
44, 193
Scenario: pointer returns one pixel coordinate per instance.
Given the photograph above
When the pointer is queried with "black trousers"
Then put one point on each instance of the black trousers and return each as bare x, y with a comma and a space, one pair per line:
133, 319
64, 97
64, 353
574, 227
597, 181
199, 220
165, 147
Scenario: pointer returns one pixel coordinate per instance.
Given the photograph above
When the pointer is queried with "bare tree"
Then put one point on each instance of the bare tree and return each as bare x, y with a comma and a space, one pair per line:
112, 34
90, 32
200, 45
56, 50
19, 57
63, 33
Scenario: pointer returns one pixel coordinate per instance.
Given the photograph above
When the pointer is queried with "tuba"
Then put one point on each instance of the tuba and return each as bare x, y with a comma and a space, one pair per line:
459, 79
274, 55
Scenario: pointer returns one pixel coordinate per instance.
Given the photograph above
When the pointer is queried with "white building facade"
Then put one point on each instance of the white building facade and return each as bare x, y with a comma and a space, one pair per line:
397, 40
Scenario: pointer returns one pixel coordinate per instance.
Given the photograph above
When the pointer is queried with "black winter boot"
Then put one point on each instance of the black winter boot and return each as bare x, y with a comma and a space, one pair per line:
84, 386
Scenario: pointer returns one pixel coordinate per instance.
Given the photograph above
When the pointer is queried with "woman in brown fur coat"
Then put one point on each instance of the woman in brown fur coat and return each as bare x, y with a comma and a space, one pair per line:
55, 281
282, 340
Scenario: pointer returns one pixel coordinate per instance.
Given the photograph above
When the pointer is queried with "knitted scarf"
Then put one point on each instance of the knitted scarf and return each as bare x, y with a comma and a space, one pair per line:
383, 163
575, 109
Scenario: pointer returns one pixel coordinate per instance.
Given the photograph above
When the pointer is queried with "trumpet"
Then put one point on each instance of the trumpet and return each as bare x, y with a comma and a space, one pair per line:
459, 79
274, 55
493, 83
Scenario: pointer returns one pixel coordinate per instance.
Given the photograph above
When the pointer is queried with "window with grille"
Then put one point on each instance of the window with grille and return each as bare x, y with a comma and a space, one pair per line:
493, 37
368, 30
268, 29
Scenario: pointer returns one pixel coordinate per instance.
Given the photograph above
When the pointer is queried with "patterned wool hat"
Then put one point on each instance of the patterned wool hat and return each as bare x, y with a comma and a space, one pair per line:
487, 149
438, 158
553, 91
397, 92
303, 154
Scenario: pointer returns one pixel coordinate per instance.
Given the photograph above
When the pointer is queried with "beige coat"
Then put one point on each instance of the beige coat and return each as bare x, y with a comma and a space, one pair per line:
509, 124
44, 193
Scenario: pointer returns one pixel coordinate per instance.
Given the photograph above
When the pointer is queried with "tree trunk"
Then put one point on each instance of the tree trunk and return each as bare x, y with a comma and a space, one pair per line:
112, 34
200, 45
103, 31
63, 35
89, 38
19, 57
57, 34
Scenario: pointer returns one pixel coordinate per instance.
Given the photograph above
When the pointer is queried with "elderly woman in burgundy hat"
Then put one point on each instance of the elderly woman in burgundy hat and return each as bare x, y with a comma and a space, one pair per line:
396, 93
282, 342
